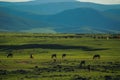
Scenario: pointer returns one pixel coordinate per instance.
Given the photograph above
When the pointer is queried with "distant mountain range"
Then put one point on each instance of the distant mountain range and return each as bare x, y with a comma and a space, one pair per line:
59, 17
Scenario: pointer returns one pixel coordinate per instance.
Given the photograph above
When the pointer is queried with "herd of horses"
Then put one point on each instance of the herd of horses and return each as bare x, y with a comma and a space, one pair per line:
64, 55
82, 63
54, 57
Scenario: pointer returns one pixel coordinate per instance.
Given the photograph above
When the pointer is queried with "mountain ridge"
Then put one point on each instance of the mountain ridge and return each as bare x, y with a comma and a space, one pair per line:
73, 20
54, 8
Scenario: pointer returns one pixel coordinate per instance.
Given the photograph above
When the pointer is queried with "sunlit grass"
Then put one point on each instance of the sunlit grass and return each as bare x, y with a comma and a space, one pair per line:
107, 49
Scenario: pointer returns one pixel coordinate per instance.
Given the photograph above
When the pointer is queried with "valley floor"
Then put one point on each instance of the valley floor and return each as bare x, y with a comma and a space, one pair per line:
78, 64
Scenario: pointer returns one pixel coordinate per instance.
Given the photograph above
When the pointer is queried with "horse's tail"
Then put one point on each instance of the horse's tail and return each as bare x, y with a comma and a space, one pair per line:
93, 57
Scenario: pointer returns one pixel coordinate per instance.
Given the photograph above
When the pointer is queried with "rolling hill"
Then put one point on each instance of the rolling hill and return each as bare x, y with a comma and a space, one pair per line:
14, 20
59, 17
44, 8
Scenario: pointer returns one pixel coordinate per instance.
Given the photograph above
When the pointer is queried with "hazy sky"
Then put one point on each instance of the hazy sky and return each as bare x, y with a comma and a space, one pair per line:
94, 1
102, 1
15, 0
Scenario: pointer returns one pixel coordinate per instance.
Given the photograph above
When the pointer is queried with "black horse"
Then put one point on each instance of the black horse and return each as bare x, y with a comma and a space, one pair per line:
96, 56
63, 56
82, 63
9, 55
53, 56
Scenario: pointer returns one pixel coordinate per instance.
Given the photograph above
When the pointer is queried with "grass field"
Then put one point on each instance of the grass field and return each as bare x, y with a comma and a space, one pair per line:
42, 67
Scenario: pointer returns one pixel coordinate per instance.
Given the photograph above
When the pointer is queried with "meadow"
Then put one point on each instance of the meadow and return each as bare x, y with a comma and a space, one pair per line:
77, 47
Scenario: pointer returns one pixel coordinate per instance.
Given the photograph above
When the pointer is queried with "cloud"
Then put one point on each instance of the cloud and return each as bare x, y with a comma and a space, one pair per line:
16, 0
102, 1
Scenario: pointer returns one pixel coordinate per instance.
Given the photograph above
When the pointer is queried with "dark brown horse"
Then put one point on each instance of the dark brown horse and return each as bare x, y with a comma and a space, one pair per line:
53, 56
63, 56
54, 60
96, 56
9, 55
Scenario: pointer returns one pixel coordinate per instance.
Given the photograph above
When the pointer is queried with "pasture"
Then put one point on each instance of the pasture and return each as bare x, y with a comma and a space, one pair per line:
77, 47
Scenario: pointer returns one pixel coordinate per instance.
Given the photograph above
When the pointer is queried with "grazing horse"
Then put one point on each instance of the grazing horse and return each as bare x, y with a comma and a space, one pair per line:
53, 56
63, 56
82, 63
96, 56
89, 68
9, 55
54, 60
31, 56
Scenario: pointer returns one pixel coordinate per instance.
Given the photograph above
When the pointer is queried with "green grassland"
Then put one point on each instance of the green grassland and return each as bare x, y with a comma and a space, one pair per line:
42, 67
